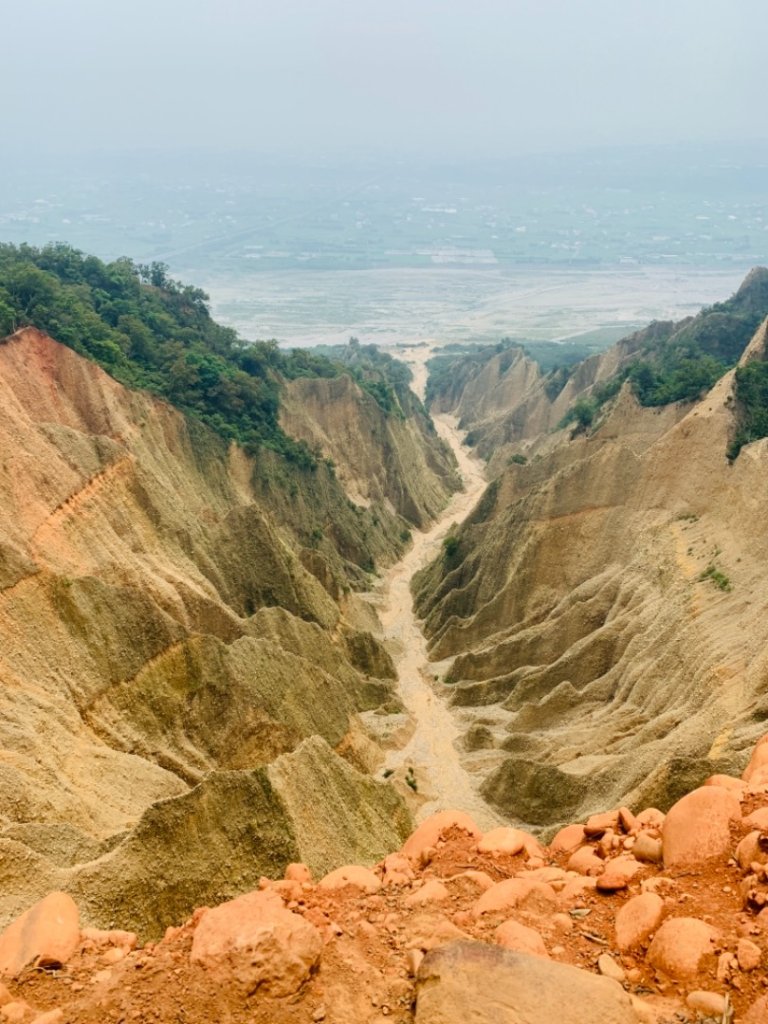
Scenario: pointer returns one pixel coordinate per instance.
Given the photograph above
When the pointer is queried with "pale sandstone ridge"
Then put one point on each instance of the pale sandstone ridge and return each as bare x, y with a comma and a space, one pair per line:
456, 926
594, 660
395, 463
184, 659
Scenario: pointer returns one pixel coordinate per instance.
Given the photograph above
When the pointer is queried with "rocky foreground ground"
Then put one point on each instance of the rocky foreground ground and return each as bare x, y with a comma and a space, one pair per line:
625, 919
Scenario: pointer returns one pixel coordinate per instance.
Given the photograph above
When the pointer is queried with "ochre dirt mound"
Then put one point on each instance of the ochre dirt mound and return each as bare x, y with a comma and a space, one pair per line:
641, 918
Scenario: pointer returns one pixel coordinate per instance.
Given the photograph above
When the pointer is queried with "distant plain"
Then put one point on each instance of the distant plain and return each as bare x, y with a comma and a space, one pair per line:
546, 247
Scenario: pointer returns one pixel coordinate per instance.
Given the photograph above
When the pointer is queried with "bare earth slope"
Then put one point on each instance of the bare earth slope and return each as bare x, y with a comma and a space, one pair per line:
605, 609
177, 669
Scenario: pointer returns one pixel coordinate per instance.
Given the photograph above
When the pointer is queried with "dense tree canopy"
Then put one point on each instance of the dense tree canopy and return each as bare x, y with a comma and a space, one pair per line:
149, 331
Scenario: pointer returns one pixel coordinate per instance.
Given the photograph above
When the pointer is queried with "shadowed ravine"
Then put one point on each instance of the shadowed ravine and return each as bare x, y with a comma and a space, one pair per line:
431, 750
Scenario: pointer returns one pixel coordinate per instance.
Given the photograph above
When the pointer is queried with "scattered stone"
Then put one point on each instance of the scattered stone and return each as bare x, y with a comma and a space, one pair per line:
651, 818
352, 875
430, 931
513, 935
608, 967
758, 819
618, 874
627, 820
115, 937
710, 1003
429, 831
637, 920
757, 1013
586, 862
50, 1017
480, 879
599, 824
647, 849
504, 840
753, 849
567, 839
254, 941
748, 954
431, 892
681, 943
15, 1011
516, 892
472, 981
413, 960
298, 873
46, 935
697, 827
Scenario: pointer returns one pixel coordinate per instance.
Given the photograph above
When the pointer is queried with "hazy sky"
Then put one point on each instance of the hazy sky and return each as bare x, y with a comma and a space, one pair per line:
448, 77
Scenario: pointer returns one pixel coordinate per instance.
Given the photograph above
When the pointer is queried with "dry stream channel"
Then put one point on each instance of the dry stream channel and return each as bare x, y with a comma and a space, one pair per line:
431, 750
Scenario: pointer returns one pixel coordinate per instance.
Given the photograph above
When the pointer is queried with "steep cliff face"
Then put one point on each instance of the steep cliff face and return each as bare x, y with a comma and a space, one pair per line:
604, 606
393, 463
168, 642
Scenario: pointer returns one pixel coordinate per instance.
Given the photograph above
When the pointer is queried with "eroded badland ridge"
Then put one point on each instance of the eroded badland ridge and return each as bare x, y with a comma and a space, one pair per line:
604, 603
204, 686
178, 668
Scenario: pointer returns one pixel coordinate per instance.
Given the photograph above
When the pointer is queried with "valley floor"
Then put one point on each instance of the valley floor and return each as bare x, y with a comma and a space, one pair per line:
430, 758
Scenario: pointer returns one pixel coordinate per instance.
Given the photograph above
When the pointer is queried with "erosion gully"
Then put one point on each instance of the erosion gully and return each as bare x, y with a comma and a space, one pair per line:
431, 751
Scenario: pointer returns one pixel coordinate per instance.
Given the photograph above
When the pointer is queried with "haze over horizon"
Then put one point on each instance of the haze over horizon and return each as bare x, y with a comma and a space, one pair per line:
450, 80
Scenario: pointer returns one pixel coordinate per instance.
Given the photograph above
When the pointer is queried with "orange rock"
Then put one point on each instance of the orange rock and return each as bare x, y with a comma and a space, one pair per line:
680, 945
353, 875
429, 831
586, 862
618, 874
515, 892
15, 1011
5, 995
298, 873
757, 1013
480, 879
47, 934
51, 1017
397, 869
637, 920
647, 849
431, 892
726, 782
627, 820
506, 840
576, 886
697, 827
758, 760
748, 954
651, 818
513, 935
753, 848
255, 943
710, 1003
115, 937
430, 930
758, 819
567, 839
597, 824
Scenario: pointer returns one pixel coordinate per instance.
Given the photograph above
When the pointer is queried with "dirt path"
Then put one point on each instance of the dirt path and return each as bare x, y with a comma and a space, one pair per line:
431, 750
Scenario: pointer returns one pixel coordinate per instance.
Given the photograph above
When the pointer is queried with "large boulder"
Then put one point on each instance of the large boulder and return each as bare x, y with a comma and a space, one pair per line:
680, 945
253, 943
697, 828
46, 935
473, 981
